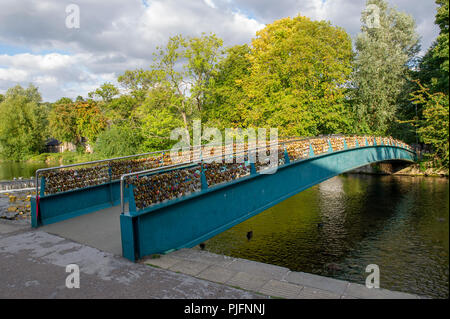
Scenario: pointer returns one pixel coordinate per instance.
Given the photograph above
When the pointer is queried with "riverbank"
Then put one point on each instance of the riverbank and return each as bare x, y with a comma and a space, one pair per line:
401, 170
266, 279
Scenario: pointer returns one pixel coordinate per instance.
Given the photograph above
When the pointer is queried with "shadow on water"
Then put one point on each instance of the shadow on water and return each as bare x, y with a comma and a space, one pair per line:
342, 225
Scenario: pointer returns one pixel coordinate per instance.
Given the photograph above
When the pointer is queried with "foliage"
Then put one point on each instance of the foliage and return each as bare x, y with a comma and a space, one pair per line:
118, 141
69, 122
22, 123
106, 92
381, 67
297, 79
434, 127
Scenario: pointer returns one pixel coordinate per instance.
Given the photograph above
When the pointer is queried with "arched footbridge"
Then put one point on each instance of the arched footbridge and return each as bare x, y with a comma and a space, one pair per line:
160, 206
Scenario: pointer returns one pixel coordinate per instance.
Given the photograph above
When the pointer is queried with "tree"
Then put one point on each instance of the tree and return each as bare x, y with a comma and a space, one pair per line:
107, 91
299, 69
69, 122
434, 127
226, 104
433, 69
22, 123
386, 49
118, 141
179, 76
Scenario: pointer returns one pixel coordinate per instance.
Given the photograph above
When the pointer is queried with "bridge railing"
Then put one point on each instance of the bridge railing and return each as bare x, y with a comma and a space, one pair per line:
164, 184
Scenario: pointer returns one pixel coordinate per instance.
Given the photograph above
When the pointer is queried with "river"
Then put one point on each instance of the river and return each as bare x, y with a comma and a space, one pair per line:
340, 226
11, 170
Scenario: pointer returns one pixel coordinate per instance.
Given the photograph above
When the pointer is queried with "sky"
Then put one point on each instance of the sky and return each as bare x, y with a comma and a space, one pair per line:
36, 46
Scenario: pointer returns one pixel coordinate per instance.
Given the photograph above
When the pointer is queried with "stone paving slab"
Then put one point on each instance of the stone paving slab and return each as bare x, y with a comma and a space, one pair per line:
267, 279
188, 267
361, 291
281, 289
166, 262
314, 281
261, 270
247, 281
315, 293
217, 274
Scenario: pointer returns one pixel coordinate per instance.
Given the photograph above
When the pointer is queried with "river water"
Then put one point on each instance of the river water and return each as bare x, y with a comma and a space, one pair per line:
340, 226
9, 170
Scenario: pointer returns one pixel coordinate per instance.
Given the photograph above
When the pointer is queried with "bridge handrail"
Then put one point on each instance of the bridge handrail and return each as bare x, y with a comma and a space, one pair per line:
284, 143
39, 171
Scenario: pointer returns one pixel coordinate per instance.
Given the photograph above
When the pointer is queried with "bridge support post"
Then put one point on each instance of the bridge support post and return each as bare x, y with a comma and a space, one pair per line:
330, 147
128, 231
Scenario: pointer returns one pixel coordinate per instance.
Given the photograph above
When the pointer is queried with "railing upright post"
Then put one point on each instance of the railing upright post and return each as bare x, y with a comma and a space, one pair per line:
311, 150
330, 147
286, 155
131, 201
203, 179
42, 190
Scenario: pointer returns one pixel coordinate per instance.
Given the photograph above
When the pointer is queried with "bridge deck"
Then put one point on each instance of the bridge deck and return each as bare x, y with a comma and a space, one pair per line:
100, 229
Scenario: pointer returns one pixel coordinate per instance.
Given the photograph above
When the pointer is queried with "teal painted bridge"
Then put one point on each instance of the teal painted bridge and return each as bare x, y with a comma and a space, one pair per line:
181, 205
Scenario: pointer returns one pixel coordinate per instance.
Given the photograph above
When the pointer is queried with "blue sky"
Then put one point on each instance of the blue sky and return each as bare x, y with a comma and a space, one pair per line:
114, 35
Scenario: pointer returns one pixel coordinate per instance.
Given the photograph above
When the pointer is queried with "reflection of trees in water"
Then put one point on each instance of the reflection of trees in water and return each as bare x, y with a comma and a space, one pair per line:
396, 222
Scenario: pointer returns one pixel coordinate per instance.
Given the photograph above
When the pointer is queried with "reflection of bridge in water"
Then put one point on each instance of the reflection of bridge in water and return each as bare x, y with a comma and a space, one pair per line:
166, 205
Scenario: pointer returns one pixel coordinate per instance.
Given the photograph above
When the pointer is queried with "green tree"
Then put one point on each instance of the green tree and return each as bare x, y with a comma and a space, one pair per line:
434, 127
226, 104
299, 69
386, 48
107, 91
22, 123
118, 141
434, 65
69, 122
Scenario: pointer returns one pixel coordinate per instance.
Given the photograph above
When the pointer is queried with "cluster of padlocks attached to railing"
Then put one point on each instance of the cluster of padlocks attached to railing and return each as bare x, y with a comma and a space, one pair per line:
233, 163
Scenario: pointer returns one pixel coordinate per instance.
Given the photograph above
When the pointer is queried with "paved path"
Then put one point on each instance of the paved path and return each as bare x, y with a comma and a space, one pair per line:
32, 265
266, 279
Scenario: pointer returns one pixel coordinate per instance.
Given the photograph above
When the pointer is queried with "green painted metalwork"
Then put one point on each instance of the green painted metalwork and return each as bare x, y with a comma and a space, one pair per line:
188, 221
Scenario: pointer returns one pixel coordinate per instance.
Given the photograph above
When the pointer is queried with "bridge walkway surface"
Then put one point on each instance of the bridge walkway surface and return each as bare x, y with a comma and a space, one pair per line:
100, 229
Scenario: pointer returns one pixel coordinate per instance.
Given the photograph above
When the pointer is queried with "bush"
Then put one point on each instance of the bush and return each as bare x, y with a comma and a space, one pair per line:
118, 141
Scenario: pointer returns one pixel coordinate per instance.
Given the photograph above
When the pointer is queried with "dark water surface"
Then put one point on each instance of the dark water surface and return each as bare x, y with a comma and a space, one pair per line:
9, 170
399, 223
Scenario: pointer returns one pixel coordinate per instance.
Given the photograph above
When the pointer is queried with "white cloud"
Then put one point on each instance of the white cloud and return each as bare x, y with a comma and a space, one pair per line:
117, 35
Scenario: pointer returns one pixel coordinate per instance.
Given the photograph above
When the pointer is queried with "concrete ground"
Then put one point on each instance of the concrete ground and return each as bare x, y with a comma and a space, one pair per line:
33, 265
266, 279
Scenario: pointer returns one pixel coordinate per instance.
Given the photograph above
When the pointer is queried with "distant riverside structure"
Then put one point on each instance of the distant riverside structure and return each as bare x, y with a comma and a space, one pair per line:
54, 146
